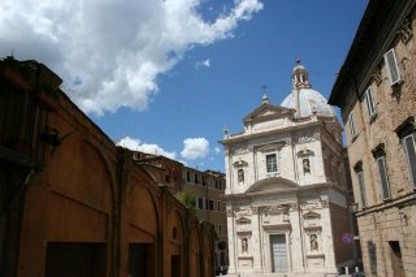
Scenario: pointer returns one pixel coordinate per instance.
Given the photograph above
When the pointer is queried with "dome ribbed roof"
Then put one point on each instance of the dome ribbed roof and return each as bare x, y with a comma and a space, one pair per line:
310, 101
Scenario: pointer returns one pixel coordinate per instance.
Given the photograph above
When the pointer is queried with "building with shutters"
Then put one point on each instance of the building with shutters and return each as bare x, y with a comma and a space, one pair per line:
287, 210
376, 91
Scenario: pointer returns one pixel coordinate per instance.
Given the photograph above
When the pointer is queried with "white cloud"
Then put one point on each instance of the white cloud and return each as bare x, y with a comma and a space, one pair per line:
217, 150
138, 145
195, 148
205, 63
110, 53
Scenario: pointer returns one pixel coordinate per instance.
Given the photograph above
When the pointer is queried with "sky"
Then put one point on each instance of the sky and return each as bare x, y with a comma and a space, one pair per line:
167, 76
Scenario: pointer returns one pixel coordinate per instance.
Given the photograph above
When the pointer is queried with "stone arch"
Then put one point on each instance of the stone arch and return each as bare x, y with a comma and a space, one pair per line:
195, 251
143, 214
79, 169
79, 186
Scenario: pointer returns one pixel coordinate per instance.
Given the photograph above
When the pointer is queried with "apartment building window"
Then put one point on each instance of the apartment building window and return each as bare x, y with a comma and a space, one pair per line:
380, 157
211, 205
271, 163
200, 203
206, 204
409, 144
369, 100
196, 179
407, 135
372, 254
390, 60
188, 176
358, 168
351, 123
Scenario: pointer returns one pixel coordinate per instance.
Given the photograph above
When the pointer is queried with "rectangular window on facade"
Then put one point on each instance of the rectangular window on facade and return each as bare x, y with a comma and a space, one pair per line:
206, 204
196, 179
360, 178
188, 176
211, 205
352, 125
372, 253
271, 163
392, 66
369, 100
409, 144
382, 173
200, 203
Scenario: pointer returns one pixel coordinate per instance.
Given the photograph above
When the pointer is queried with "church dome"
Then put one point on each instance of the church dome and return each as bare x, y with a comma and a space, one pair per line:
310, 102
305, 100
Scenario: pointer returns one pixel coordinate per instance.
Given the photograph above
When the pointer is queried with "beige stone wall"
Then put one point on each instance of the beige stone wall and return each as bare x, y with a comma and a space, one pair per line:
392, 220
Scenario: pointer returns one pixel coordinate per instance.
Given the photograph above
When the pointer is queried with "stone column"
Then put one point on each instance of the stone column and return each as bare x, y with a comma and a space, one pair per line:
256, 243
232, 243
297, 247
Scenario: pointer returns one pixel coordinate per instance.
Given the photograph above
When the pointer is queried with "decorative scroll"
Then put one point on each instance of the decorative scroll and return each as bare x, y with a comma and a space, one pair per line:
405, 30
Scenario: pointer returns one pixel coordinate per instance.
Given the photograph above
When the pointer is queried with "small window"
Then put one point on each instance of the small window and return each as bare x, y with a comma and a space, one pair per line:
200, 203
211, 205
369, 100
188, 176
196, 179
409, 144
392, 67
372, 253
382, 174
359, 173
351, 122
271, 163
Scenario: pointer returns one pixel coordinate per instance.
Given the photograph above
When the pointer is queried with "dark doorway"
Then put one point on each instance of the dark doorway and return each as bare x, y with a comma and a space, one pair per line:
67, 259
175, 263
396, 259
140, 260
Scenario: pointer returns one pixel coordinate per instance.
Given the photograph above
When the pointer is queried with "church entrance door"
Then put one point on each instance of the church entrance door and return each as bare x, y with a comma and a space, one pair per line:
278, 253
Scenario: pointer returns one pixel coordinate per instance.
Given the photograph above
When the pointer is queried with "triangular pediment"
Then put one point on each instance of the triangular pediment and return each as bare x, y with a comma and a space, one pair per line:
311, 215
243, 221
267, 112
273, 184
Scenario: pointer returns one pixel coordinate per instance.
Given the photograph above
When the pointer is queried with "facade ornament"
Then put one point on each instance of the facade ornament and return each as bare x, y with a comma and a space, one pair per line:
229, 212
239, 149
376, 76
317, 136
243, 212
244, 245
405, 30
325, 204
314, 242
307, 206
255, 210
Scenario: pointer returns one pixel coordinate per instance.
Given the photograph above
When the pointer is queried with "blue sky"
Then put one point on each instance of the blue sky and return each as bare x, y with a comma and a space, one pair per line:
167, 76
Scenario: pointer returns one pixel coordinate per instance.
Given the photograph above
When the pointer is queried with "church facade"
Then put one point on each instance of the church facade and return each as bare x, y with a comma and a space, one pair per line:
287, 212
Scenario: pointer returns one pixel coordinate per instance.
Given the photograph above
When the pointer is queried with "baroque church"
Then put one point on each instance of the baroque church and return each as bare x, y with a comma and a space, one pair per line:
287, 209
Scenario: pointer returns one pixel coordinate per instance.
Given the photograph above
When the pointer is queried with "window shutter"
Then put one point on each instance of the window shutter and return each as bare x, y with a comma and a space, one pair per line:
410, 148
370, 102
393, 69
383, 177
360, 176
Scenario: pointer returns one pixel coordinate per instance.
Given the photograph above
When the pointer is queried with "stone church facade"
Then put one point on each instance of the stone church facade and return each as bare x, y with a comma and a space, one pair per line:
287, 212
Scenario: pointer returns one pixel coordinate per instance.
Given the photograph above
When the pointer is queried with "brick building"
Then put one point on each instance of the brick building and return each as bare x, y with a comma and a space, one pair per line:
74, 204
376, 91
207, 189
